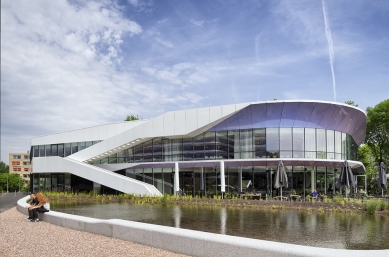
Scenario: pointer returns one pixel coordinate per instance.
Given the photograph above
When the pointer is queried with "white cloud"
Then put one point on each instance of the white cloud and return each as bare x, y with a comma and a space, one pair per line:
197, 23
60, 70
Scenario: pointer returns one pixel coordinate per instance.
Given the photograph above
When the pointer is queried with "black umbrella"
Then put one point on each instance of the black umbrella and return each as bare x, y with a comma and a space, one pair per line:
346, 177
281, 177
382, 181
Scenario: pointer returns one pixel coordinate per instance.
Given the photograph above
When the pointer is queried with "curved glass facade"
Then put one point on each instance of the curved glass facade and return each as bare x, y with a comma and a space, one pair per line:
243, 144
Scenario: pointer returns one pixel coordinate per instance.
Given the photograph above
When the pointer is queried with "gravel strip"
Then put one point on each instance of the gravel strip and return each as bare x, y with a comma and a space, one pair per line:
19, 237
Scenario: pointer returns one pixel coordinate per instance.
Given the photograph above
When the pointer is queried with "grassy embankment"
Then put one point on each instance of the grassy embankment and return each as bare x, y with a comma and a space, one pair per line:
328, 205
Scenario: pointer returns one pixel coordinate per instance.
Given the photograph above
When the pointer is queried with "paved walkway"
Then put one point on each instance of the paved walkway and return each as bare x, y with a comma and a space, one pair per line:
8, 200
19, 237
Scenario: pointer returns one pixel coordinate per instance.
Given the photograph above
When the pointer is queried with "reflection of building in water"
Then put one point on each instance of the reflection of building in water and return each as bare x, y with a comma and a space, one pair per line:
235, 148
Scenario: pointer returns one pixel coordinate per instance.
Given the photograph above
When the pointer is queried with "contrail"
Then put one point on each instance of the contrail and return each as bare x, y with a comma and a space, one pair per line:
330, 48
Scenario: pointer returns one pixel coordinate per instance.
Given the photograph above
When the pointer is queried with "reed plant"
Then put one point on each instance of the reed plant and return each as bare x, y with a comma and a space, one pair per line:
382, 204
371, 206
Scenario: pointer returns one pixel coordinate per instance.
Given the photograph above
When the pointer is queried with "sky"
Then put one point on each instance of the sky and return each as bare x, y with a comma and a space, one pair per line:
73, 64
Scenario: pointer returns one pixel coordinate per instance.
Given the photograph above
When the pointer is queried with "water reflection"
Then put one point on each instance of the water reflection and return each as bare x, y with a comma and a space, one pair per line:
177, 216
342, 231
223, 220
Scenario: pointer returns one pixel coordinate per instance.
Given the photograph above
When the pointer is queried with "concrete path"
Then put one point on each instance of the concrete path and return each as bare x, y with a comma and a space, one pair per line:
8, 200
20, 237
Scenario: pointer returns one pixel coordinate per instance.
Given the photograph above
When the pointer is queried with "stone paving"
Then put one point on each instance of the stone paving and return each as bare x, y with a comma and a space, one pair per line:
19, 237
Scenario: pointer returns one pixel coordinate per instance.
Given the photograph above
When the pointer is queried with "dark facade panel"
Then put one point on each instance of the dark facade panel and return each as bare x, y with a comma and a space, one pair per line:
273, 114
244, 118
317, 115
289, 113
299, 114
303, 114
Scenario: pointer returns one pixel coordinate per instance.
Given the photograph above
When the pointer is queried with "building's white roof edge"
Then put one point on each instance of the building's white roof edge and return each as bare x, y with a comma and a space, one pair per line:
57, 133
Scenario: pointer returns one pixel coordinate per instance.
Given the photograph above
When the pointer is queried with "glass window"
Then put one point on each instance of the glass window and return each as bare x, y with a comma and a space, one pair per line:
88, 144
36, 151
41, 150
209, 145
48, 150
272, 154
148, 151
129, 155
112, 158
285, 154
138, 154
26, 157
330, 141
232, 180
187, 147
259, 143
310, 140
68, 150
221, 145
298, 139
285, 139
344, 146
272, 139
74, 148
246, 140
353, 149
60, 150
176, 146
233, 144
338, 142
321, 140
54, 150
167, 146
157, 146
310, 155
198, 147
247, 180
81, 146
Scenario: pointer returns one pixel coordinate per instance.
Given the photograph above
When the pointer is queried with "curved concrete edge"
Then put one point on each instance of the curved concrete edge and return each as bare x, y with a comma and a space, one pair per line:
190, 242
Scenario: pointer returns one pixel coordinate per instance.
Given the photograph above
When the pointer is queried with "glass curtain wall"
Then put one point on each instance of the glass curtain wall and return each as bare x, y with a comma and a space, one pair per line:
285, 142
233, 144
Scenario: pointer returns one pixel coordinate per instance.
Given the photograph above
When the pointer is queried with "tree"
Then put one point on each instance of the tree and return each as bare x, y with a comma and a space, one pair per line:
131, 117
14, 182
4, 168
351, 103
377, 131
366, 157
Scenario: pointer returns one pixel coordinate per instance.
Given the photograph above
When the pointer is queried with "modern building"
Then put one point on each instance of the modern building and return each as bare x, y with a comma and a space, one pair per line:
19, 163
231, 148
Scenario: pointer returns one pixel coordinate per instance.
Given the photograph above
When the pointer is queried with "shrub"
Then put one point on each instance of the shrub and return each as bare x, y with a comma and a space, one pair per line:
382, 205
371, 206
164, 199
120, 198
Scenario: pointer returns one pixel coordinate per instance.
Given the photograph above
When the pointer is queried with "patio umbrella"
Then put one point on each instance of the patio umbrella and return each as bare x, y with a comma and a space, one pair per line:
346, 177
281, 177
382, 181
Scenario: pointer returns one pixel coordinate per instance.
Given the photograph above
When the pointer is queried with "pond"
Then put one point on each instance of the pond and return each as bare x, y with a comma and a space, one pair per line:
329, 230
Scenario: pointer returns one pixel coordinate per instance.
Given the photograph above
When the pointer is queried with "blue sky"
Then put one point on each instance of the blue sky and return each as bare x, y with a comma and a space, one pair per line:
74, 64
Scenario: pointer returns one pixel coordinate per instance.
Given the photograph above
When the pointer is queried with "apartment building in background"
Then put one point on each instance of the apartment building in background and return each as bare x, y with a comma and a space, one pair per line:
19, 163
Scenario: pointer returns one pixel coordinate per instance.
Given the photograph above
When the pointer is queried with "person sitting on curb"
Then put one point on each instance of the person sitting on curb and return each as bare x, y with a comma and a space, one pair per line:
42, 206
33, 201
